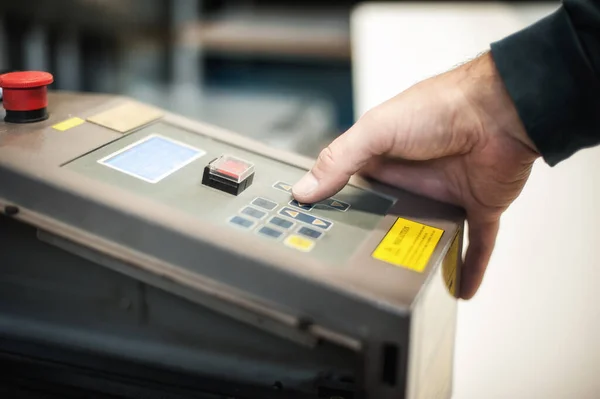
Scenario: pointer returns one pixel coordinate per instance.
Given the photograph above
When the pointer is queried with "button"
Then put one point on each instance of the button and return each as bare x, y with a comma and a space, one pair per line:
306, 218
253, 212
283, 186
299, 243
25, 96
335, 204
281, 222
228, 174
264, 203
304, 207
308, 232
241, 222
269, 232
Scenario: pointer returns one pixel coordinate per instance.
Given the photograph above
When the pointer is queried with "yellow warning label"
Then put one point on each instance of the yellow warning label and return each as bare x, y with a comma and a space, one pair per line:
68, 124
408, 244
450, 266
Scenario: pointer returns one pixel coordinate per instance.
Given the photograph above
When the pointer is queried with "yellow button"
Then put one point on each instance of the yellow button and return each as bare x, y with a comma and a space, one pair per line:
299, 243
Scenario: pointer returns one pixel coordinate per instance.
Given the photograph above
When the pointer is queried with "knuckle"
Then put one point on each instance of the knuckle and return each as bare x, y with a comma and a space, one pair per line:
325, 161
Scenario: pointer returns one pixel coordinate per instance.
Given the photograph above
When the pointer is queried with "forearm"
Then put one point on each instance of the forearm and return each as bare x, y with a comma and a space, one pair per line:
551, 71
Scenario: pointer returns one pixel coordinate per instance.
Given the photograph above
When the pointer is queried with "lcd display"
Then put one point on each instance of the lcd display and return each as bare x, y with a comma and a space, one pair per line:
152, 158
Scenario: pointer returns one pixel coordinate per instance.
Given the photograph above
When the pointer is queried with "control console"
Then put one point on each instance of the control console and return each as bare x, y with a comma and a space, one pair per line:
164, 245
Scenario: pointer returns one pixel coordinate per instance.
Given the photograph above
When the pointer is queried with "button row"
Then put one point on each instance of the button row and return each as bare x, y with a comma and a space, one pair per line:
330, 203
306, 218
302, 239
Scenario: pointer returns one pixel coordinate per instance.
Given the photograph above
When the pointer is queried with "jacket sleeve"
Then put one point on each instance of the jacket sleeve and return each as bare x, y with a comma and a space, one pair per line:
551, 70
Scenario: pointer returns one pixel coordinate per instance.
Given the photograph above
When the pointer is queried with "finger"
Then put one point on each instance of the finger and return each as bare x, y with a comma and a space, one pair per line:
345, 156
427, 178
482, 238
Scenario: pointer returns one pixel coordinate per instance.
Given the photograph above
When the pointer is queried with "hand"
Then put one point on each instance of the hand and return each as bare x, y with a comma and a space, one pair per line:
455, 137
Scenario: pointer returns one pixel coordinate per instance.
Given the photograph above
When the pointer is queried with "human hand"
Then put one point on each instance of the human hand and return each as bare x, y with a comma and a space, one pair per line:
455, 137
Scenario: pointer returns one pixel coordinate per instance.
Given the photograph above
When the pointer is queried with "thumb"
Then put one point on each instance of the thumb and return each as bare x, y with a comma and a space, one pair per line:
345, 156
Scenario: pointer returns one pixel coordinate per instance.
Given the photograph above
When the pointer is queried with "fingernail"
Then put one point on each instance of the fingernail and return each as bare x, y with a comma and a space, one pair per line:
306, 185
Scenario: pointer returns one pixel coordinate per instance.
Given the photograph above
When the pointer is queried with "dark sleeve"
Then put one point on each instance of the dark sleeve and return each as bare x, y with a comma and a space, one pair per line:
552, 72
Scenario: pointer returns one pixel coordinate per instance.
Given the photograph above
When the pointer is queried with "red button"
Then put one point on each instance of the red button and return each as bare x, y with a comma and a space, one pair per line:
25, 91
25, 80
232, 168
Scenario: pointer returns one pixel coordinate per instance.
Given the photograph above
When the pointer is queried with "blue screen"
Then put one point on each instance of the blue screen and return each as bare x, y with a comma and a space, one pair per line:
153, 159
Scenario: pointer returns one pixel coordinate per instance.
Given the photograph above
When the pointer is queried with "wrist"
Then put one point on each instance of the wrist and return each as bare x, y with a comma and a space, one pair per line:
483, 88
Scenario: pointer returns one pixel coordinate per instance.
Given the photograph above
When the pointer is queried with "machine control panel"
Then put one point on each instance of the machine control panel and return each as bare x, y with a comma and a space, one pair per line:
235, 188
228, 174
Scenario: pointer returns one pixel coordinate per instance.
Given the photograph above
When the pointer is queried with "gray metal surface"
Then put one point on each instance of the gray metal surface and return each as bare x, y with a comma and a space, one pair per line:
175, 231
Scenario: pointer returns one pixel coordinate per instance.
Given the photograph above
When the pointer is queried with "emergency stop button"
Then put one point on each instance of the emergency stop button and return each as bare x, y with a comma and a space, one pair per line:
229, 174
25, 96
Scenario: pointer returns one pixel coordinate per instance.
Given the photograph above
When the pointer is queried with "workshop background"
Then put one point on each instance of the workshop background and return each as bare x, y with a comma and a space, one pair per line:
278, 71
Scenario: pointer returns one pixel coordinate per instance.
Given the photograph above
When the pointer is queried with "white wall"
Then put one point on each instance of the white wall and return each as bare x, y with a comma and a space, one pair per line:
533, 330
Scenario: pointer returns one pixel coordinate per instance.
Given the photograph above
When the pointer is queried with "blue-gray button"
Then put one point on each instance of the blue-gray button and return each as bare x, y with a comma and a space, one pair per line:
281, 222
283, 186
241, 222
253, 212
264, 203
269, 232
334, 204
304, 207
308, 232
314, 221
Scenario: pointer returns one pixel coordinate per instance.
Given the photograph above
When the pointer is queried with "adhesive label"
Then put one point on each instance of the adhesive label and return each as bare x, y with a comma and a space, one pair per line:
450, 266
408, 244
68, 124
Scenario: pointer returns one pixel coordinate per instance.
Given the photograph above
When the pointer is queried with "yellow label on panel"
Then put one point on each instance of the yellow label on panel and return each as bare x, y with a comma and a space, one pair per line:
450, 265
68, 124
408, 244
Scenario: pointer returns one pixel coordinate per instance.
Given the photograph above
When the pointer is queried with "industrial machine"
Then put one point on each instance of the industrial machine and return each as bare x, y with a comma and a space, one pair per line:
147, 255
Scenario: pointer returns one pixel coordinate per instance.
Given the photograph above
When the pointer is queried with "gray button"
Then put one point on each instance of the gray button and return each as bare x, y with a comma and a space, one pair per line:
253, 212
241, 222
304, 207
269, 232
281, 222
308, 232
264, 203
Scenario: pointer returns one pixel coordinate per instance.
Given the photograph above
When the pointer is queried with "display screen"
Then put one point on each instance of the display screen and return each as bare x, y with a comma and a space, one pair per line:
153, 158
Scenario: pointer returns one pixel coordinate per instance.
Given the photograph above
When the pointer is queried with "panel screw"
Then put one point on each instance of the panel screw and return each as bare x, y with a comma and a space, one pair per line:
11, 210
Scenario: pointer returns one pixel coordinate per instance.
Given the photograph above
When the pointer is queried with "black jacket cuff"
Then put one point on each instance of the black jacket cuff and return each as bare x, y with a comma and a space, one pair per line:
553, 85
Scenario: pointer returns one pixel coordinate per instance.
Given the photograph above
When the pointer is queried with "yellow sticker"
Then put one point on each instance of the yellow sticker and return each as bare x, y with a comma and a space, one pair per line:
68, 124
450, 266
408, 244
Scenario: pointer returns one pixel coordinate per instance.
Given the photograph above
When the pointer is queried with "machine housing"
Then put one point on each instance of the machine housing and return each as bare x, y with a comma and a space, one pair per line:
126, 277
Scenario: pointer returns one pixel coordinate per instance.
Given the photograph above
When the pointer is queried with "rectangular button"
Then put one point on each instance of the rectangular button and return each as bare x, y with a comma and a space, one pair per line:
308, 232
306, 218
283, 186
264, 203
334, 204
269, 232
253, 212
281, 222
299, 243
304, 207
241, 222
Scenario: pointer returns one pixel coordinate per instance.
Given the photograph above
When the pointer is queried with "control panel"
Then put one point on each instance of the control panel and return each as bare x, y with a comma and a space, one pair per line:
224, 185
175, 236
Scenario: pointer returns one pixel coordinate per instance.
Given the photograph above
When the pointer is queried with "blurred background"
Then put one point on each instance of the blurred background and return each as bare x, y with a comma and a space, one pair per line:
278, 71
296, 74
